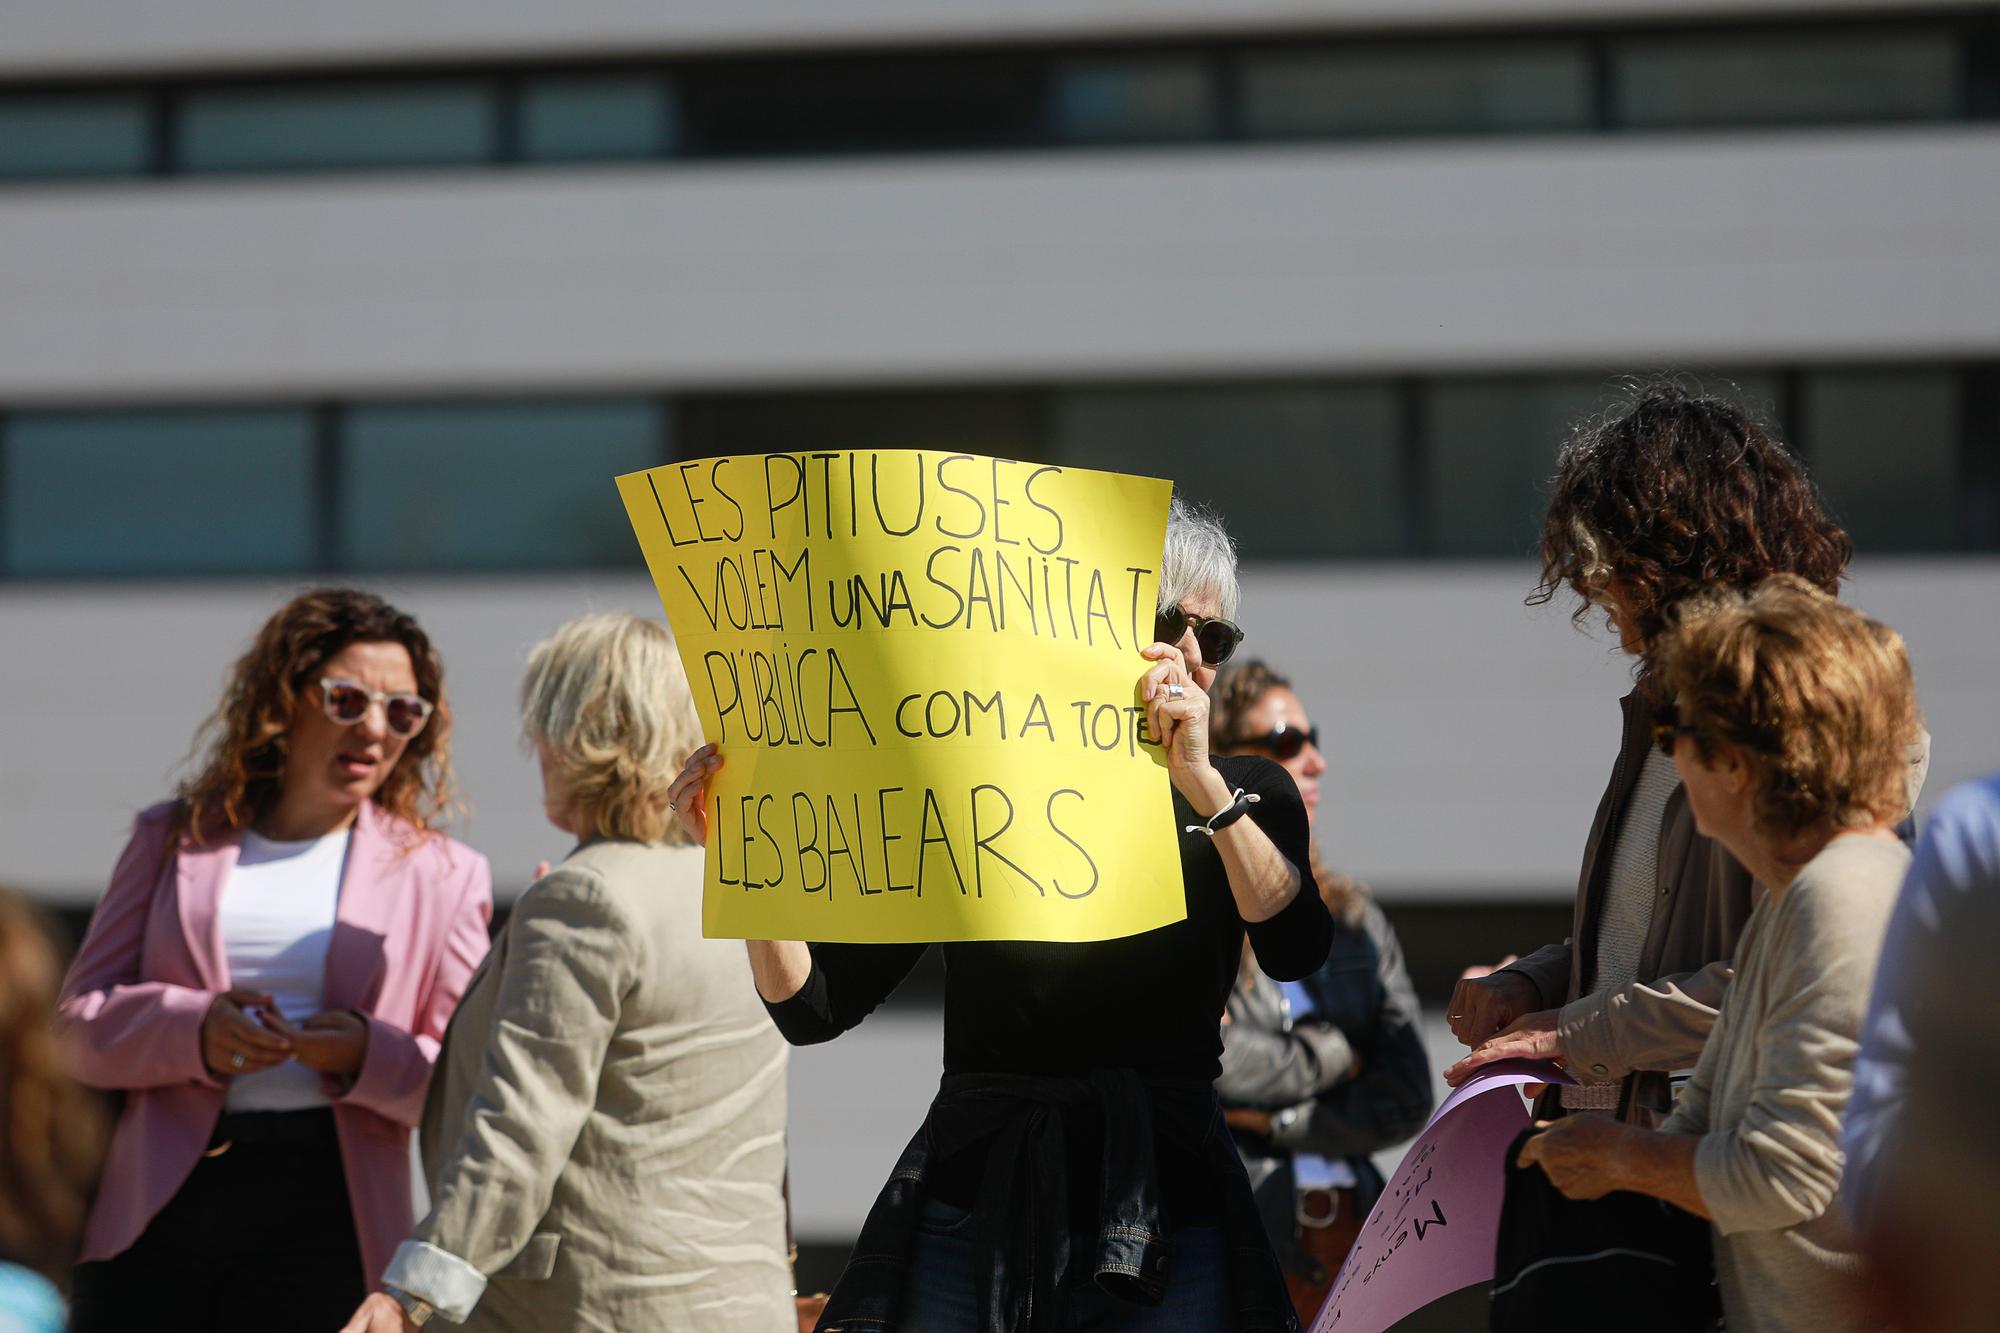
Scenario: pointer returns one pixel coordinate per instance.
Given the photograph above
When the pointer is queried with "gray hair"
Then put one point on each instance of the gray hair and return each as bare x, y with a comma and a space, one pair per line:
605, 695
1199, 560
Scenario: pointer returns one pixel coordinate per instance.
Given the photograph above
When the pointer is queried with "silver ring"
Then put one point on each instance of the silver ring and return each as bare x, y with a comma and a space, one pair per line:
674, 806
236, 1060
1175, 691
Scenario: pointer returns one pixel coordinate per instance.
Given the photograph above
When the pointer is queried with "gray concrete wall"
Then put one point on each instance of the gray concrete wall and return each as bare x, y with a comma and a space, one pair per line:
1469, 735
1245, 260
44, 37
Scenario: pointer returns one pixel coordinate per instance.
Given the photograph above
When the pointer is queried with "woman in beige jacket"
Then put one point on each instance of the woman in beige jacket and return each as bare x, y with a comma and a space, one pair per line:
1792, 720
604, 1137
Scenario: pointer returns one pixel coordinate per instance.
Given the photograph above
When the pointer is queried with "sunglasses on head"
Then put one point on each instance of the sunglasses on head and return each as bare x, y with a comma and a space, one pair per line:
348, 701
1667, 729
1218, 637
1284, 742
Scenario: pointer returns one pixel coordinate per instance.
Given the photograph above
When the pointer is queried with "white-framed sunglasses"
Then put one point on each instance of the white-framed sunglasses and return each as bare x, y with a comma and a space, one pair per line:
348, 701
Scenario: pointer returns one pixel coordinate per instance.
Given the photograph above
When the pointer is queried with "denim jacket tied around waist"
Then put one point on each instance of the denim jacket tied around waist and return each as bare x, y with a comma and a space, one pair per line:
1023, 1249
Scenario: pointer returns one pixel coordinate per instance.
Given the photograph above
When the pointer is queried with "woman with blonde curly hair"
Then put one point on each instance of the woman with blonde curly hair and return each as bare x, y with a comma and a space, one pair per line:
1789, 722
605, 1140
267, 979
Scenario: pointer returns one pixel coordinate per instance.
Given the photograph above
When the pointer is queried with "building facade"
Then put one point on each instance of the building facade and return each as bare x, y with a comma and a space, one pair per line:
292, 293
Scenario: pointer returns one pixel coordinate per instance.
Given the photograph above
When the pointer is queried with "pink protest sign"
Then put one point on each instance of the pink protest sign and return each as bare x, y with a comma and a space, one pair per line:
1433, 1230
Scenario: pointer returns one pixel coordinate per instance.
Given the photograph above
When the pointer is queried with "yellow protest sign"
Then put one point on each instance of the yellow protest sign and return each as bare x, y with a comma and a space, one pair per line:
921, 668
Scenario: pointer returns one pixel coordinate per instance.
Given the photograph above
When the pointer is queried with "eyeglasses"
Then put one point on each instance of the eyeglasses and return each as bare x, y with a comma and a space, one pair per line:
1218, 637
1284, 742
1667, 729
348, 701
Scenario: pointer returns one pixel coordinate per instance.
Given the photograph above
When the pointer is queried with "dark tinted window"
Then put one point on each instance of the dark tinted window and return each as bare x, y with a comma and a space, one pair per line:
1295, 471
1008, 425
124, 493
1756, 79
598, 117
864, 105
1415, 90
74, 134
1156, 99
503, 485
1491, 450
1884, 445
343, 125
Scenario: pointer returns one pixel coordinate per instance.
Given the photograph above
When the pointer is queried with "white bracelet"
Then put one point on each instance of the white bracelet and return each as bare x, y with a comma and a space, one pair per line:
1239, 805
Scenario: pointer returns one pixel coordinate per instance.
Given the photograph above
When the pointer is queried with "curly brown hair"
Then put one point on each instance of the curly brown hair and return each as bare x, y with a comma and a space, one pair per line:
1675, 493
243, 772
53, 1130
1817, 695
1238, 687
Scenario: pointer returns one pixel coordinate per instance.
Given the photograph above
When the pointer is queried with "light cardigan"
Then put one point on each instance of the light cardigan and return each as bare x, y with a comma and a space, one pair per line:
1773, 1082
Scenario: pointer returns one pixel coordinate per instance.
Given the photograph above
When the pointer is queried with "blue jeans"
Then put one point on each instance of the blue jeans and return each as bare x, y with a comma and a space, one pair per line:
938, 1297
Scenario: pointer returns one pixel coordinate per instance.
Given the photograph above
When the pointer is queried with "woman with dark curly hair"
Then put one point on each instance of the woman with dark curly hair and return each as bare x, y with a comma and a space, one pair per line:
1790, 719
267, 979
1677, 494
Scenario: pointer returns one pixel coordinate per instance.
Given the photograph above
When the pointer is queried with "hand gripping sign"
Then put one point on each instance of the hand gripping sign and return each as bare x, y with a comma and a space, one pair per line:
1435, 1228
921, 669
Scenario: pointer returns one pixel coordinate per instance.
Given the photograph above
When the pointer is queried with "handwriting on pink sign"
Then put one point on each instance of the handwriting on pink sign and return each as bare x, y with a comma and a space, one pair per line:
1433, 1230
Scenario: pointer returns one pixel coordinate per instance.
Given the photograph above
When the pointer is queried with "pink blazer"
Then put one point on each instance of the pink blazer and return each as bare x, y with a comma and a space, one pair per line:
408, 932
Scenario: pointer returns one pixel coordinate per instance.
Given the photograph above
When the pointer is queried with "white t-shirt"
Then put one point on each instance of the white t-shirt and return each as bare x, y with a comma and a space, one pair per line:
277, 923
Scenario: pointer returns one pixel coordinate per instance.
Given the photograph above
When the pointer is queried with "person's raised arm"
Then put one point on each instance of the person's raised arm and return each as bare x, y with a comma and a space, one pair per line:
780, 967
1261, 878
1265, 855
813, 995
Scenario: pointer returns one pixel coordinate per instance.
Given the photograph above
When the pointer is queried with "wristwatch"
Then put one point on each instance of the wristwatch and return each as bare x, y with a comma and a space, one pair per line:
415, 1308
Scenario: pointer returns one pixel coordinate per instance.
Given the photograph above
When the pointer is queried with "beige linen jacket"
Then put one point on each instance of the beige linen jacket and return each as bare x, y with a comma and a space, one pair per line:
604, 1136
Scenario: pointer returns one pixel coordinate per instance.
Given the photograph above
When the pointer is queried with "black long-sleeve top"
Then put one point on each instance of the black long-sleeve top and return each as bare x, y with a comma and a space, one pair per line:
1151, 1002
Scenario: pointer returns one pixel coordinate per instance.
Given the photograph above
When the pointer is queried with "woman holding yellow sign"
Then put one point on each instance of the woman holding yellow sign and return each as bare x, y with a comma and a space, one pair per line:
1074, 1171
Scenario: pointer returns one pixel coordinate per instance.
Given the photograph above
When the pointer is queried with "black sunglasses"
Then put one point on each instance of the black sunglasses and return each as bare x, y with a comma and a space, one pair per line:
1284, 742
1667, 729
1218, 637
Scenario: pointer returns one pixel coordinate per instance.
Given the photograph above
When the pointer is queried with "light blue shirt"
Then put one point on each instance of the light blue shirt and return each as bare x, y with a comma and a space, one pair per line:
1310, 1171
28, 1303
1953, 886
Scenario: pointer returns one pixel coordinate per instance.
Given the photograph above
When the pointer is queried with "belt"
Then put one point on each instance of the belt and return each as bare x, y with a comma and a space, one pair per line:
308, 1129
1318, 1209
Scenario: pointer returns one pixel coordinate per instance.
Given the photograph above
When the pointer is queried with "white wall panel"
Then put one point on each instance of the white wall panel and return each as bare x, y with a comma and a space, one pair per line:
1469, 736
1578, 253
45, 37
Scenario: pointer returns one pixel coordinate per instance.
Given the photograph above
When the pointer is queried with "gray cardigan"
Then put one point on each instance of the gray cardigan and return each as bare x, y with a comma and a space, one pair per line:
1773, 1081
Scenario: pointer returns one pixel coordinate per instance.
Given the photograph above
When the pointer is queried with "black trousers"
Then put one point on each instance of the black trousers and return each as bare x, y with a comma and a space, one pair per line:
260, 1237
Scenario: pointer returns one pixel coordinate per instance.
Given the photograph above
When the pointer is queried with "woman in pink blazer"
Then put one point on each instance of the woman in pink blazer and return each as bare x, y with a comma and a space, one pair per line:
267, 979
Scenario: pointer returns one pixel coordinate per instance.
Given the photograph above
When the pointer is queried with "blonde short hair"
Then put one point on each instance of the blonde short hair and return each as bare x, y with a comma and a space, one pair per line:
1817, 695
607, 698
